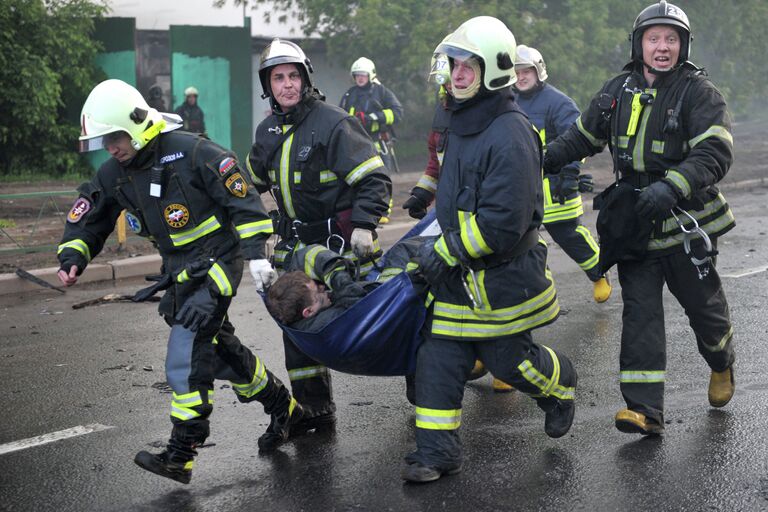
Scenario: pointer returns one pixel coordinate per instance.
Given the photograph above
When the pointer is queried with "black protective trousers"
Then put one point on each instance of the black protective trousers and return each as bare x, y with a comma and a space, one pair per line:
574, 239
643, 340
310, 381
442, 369
195, 358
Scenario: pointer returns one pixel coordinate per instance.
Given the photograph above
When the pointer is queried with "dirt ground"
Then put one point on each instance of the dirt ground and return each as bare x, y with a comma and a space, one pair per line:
36, 224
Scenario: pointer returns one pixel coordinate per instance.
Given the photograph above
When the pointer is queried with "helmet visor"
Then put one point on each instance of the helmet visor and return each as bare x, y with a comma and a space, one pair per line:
455, 52
100, 142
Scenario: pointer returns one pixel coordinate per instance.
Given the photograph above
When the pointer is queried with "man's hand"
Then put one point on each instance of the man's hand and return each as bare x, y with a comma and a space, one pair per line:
263, 274
432, 267
656, 200
68, 278
165, 282
586, 183
362, 242
417, 208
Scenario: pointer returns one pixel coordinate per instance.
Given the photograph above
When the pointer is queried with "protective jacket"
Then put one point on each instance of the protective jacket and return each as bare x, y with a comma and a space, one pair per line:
192, 115
427, 185
678, 131
489, 207
206, 205
374, 98
323, 171
552, 113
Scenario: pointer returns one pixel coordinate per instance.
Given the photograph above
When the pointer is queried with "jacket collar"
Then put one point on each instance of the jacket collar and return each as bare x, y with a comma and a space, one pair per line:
476, 114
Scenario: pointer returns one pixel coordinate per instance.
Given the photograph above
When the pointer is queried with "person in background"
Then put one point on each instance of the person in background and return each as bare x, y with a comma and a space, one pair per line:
191, 113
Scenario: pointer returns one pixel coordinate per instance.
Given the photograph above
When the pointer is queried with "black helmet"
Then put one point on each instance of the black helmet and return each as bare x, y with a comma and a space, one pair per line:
283, 52
661, 13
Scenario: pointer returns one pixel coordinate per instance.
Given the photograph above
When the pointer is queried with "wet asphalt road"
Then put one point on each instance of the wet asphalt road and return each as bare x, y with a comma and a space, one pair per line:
61, 368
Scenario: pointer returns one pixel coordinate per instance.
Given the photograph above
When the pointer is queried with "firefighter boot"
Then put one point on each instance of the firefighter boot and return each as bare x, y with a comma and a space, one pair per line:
633, 422
559, 413
499, 386
280, 426
721, 387
175, 462
602, 289
478, 370
419, 473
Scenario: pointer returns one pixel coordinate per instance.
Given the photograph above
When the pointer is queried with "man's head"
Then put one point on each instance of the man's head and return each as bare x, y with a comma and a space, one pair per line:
363, 71
530, 68
661, 38
295, 296
116, 117
190, 95
485, 49
293, 64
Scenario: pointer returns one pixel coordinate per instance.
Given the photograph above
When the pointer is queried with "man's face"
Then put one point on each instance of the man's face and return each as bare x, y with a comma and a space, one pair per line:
118, 144
661, 47
192, 99
527, 78
285, 81
320, 299
462, 74
361, 79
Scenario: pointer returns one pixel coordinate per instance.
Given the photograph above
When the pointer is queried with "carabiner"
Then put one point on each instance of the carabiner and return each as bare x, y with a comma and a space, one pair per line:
701, 264
333, 236
475, 298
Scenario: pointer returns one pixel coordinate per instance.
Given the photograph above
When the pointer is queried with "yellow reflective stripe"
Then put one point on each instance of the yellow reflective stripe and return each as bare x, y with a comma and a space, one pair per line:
256, 179
217, 274
364, 169
718, 224
543, 136
181, 405
642, 376
438, 419
713, 131
441, 248
596, 142
257, 384
209, 225
480, 275
427, 183
680, 182
554, 211
328, 176
638, 152
389, 116
473, 240
307, 372
255, 228
151, 132
723, 342
272, 175
78, 245
183, 276
657, 146
623, 142
351, 111
309, 261
587, 236
285, 171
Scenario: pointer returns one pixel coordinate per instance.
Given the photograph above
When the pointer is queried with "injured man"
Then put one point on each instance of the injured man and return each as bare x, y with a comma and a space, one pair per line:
320, 286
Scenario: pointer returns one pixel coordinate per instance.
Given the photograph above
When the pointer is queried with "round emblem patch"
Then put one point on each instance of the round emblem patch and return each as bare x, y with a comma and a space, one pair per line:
80, 208
176, 215
134, 224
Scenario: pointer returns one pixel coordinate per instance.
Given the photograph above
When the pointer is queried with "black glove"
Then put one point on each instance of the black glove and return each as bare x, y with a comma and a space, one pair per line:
567, 185
164, 282
656, 200
549, 165
432, 266
418, 203
197, 310
586, 184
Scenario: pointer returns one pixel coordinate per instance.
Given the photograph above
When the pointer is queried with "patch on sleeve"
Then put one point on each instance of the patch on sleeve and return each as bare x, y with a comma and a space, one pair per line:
134, 224
227, 165
237, 185
79, 209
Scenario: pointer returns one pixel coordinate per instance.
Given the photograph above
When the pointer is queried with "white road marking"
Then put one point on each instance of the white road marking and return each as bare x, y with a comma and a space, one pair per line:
51, 437
747, 273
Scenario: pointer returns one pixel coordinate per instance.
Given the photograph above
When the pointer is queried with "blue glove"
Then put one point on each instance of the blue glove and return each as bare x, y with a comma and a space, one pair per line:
656, 200
197, 310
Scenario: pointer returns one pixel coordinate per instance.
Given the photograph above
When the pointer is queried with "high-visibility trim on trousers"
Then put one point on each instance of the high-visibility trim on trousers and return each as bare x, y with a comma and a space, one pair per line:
182, 405
438, 419
257, 384
307, 372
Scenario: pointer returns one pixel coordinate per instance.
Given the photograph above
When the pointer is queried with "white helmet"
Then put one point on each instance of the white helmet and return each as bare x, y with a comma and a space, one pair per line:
488, 39
283, 52
114, 106
528, 57
191, 91
364, 65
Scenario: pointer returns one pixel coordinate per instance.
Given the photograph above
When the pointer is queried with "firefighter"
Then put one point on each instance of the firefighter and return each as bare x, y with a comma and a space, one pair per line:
191, 113
487, 271
193, 200
378, 110
552, 113
669, 132
330, 185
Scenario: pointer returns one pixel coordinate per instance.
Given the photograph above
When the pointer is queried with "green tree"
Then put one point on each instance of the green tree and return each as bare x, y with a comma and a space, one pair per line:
46, 70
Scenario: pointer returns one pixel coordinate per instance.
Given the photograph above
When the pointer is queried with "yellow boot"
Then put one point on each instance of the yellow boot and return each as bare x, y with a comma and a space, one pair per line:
632, 422
478, 371
721, 387
602, 289
500, 386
